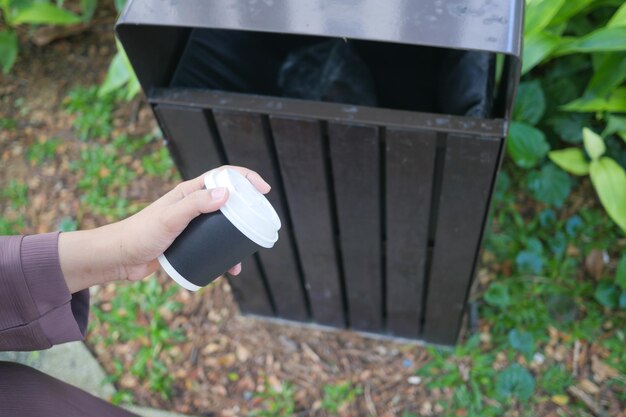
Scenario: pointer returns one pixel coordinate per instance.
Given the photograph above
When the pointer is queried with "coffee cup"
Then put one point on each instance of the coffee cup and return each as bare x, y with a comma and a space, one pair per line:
213, 243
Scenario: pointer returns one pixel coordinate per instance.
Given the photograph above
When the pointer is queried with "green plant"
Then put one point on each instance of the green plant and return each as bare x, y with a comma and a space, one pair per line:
339, 395
278, 402
104, 179
581, 49
43, 150
33, 12
17, 194
515, 382
7, 123
92, 111
555, 380
468, 372
134, 304
120, 75
607, 176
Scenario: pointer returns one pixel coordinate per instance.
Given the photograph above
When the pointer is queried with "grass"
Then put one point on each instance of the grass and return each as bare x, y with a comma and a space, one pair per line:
137, 313
339, 395
277, 402
43, 150
93, 114
537, 289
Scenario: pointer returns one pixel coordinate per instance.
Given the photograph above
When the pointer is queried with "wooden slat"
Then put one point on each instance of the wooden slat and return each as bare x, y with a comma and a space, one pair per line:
409, 164
189, 139
245, 144
355, 160
195, 150
470, 165
300, 152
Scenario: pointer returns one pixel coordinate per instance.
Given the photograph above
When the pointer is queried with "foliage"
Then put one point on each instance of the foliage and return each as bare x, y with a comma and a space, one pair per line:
339, 395
120, 75
93, 112
33, 13
136, 313
575, 66
277, 402
43, 150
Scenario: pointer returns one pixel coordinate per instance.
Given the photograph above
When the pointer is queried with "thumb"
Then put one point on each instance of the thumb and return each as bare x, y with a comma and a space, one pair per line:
178, 215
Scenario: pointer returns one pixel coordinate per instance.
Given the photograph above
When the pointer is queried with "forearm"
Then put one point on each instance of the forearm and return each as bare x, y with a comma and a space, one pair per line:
90, 257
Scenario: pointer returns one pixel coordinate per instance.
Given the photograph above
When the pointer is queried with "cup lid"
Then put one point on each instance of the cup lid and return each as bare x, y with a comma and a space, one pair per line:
246, 208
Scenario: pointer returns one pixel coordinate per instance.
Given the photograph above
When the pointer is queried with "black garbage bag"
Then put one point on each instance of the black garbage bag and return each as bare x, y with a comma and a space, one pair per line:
359, 72
327, 71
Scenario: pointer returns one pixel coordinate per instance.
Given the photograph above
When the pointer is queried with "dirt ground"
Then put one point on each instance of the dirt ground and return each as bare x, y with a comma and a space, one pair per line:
219, 341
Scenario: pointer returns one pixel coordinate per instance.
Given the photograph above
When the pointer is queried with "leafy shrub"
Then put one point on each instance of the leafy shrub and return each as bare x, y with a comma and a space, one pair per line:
574, 68
33, 12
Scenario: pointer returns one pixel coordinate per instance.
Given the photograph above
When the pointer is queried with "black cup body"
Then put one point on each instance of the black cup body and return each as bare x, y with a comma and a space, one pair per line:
208, 247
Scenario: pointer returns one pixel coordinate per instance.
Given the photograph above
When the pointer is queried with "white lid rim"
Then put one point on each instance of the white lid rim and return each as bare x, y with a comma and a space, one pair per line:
265, 234
175, 275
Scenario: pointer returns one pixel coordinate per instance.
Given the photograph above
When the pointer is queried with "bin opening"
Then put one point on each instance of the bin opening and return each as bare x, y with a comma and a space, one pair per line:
357, 72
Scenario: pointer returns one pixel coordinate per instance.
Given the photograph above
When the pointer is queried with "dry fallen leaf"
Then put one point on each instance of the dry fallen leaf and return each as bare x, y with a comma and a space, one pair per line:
594, 263
589, 387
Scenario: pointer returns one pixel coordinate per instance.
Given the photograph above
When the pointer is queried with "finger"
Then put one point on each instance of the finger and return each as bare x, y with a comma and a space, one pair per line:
177, 216
187, 187
235, 270
253, 177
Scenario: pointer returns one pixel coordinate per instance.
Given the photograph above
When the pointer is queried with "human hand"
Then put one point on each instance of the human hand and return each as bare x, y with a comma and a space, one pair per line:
129, 249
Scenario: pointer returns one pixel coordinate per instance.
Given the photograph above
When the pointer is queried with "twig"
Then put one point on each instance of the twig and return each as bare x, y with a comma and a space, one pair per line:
576, 357
593, 406
368, 400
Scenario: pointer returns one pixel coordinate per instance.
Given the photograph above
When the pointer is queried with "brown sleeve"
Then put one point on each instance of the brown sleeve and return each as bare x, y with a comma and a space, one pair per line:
36, 307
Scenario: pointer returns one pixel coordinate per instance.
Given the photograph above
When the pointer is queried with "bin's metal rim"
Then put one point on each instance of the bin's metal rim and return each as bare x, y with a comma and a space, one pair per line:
279, 106
484, 25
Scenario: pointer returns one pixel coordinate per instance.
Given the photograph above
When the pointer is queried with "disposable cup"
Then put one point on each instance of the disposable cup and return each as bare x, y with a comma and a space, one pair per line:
213, 243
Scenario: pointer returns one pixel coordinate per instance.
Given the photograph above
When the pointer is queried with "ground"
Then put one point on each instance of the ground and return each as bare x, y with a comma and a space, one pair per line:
194, 353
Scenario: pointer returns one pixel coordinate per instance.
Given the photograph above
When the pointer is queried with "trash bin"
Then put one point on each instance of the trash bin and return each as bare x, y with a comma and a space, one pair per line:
382, 156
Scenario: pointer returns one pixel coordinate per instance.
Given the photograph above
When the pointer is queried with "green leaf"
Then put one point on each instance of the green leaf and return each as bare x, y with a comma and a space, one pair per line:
8, 50
45, 13
569, 126
116, 77
539, 14
620, 273
521, 341
529, 262
602, 40
594, 144
530, 103
614, 124
609, 180
526, 145
119, 5
622, 300
538, 47
618, 18
498, 295
571, 160
570, 9
607, 294
551, 185
88, 7
615, 102
515, 382
608, 74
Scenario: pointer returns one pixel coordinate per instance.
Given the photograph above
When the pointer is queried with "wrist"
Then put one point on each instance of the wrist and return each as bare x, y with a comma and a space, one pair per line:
89, 257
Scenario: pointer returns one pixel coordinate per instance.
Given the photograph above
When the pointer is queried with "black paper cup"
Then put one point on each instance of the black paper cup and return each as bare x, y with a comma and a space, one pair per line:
215, 242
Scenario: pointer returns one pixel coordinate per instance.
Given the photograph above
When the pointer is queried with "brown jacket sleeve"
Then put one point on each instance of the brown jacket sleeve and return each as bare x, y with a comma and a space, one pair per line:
36, 307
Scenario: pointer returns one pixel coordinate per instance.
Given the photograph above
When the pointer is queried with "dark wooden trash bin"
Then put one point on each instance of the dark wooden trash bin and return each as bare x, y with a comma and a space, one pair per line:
383, 208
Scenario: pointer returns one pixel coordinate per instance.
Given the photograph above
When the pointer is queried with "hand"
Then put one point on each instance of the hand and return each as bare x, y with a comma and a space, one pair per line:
128, 249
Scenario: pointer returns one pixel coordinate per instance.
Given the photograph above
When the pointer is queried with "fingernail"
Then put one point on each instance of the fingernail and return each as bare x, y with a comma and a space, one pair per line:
218, 193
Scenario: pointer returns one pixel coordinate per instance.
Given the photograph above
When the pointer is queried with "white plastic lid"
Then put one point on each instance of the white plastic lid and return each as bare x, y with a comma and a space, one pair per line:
246, 208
